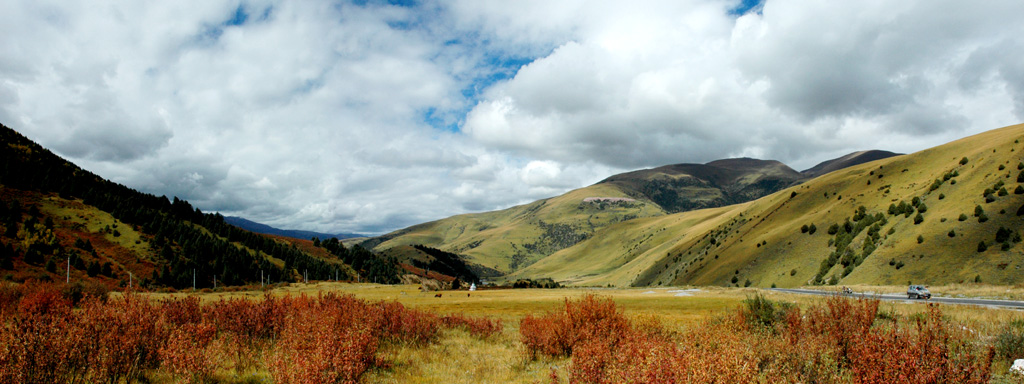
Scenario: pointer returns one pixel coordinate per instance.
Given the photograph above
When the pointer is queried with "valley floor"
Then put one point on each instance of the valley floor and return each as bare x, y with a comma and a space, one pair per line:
459, 357
702, 334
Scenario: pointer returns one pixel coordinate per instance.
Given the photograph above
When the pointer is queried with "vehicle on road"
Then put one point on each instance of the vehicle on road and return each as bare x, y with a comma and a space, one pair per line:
918, 292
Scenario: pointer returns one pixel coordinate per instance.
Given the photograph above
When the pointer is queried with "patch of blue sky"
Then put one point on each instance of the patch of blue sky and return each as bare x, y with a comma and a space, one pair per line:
494, 69
747, 6
399, 3
439, 120
238, 18
497, 68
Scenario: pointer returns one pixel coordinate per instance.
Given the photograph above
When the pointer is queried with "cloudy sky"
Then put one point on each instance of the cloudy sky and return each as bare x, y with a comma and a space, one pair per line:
370, 116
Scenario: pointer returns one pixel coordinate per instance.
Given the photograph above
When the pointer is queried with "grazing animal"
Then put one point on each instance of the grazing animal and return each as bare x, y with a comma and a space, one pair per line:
437, 295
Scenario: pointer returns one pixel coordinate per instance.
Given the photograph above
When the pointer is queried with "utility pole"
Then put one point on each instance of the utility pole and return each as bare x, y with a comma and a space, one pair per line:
261, 279
68, 279
193, 279
129, 280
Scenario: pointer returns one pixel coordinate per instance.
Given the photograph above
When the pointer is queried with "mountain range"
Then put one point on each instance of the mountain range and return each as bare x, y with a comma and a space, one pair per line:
253, 226
948, 214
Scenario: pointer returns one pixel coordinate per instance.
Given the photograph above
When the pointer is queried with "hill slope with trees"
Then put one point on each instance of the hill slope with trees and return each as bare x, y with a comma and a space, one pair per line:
59, 220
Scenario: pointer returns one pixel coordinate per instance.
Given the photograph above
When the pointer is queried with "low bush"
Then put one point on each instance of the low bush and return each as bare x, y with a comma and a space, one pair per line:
839, 341
324, 339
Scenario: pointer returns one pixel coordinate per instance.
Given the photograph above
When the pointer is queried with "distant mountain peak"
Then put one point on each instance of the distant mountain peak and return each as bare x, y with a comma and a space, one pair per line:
253, 226
849, 160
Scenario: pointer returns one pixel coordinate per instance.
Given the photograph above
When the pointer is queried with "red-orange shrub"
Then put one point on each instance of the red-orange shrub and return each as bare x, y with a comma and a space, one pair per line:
835, 342
479, 327
188, 353
123, 337
557, 333
401, 324
326, 340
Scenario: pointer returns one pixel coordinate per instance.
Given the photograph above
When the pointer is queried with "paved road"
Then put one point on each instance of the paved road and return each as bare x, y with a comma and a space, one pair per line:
944, 300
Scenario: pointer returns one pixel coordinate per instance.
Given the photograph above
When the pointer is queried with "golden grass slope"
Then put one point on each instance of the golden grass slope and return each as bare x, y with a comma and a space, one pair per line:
512, 238
761, 243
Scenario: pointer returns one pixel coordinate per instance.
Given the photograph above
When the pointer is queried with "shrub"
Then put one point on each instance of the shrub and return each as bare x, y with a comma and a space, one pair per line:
982, 247
759, 311
963, 217
1003, 235
188, 352
951, 233
1019, 190
1009, 342
963, 161
481, 328
804, 228
589, 320
983, 218
813, 228
918, 219
920, 239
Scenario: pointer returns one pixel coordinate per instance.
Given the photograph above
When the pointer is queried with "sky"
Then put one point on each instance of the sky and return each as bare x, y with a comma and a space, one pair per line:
370, 116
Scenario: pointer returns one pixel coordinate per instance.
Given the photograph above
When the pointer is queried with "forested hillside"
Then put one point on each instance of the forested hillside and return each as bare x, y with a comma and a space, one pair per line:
58, 217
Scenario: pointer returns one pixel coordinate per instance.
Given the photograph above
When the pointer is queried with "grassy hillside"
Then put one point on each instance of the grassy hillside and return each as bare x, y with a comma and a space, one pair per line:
764, 242
513, 238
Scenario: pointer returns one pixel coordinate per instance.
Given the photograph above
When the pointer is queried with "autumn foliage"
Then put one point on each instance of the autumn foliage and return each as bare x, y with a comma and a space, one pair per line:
329, 338
840, 341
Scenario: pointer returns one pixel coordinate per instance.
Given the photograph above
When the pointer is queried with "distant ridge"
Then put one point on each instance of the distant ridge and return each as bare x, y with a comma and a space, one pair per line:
685, 187
253, 226
855, 158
